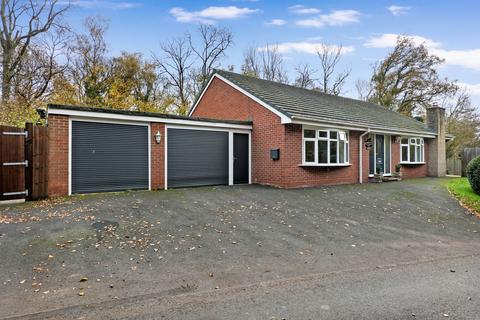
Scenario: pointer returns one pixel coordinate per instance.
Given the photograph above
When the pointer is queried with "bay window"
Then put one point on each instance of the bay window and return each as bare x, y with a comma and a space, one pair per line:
412, 150
325, 147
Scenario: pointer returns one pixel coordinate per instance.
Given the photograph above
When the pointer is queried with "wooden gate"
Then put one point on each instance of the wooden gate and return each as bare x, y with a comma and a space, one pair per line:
23, 162
36, 174
12, 163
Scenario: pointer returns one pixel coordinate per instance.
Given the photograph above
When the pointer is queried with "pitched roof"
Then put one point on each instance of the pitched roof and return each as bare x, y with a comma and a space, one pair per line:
304, 104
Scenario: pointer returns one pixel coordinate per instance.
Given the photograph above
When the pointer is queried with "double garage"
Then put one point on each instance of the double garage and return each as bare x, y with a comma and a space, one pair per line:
115, 151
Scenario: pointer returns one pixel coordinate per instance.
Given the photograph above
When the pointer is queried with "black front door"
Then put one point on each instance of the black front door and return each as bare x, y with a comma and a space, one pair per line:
240, 158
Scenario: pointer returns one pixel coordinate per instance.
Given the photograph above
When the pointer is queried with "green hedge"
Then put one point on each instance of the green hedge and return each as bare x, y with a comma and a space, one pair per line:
473, 174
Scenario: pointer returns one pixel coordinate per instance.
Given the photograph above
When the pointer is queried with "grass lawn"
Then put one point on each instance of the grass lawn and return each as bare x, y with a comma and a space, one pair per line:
461, 189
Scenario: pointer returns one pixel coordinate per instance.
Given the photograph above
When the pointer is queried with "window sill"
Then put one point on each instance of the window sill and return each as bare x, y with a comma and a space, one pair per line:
412, 163
324, 164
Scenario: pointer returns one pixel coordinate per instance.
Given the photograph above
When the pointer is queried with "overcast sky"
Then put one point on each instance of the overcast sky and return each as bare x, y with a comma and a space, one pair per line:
366, 29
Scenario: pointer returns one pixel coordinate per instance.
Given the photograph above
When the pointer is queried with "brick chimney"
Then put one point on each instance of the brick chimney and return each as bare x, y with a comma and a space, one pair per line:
436, 147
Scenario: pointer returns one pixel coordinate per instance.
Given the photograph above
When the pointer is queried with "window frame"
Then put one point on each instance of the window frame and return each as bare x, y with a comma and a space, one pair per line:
415, 143
328, 140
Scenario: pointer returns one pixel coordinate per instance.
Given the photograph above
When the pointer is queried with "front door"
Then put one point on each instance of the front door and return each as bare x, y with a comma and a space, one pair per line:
379, 154
240, 158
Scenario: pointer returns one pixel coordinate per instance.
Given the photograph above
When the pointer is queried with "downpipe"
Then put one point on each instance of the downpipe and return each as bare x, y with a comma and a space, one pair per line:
360, 155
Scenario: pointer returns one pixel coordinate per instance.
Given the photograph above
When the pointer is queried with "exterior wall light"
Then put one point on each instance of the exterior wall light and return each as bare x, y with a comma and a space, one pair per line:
158, 137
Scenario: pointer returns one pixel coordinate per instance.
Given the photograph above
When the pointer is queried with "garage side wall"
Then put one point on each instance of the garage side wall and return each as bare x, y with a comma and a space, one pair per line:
157, 156
222, 102
58, 155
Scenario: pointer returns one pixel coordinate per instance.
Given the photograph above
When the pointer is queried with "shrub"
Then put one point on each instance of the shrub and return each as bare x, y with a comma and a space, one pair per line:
473, 174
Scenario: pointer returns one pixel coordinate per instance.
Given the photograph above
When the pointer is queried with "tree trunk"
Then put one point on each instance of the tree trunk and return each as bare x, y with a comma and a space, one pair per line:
6, 80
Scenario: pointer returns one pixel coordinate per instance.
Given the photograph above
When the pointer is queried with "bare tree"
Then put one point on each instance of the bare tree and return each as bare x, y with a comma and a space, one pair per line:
213, 43
463, 121
331, 81
460, 107
272, 64
304, 77
251, 63
21, 23
265, 63
175, 64
33, 80
364, 89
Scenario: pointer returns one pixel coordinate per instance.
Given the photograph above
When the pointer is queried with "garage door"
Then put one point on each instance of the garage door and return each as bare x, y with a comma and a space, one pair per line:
197, 158
109, 157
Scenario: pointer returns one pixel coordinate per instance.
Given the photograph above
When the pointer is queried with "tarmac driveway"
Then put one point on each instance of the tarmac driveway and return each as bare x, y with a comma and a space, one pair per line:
114, 247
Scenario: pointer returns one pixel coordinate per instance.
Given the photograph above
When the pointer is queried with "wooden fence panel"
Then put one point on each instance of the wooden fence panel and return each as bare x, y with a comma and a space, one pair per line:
468, 155
12, 163
454, 166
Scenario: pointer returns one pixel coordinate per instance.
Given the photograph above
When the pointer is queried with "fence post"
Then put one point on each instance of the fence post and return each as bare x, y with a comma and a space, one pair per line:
29, 158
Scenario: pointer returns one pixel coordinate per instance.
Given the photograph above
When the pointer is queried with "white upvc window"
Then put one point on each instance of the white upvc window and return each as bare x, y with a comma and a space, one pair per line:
412, 150
325, 147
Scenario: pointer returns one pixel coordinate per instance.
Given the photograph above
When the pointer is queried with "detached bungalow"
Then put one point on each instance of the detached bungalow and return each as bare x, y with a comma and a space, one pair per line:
240, 130
306, 138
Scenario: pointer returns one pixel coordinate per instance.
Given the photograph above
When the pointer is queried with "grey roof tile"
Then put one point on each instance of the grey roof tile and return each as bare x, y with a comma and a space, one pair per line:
302, 103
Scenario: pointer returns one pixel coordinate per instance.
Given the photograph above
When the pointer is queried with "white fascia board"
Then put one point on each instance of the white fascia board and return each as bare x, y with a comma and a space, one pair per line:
405, 133
346, 125
131, 118
283, 118
206, 128
324, 124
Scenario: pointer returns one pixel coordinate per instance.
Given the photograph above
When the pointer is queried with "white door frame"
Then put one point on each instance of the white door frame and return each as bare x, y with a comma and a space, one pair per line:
385, 138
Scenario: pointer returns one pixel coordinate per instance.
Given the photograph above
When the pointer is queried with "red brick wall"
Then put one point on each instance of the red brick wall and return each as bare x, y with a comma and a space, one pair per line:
221, 101
409, 170
157, 156
296, 176
57, 155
